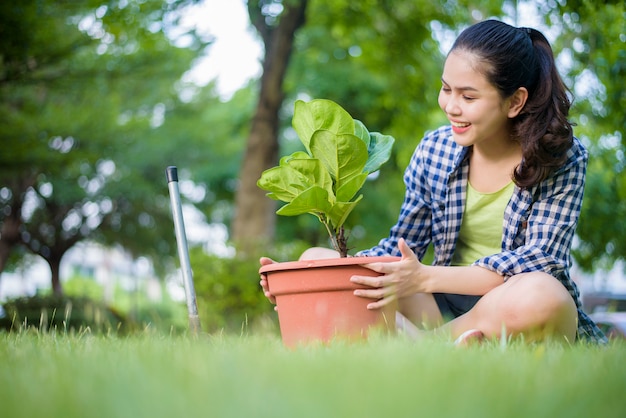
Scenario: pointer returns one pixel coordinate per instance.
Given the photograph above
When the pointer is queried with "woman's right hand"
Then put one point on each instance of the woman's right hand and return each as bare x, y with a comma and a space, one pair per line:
266, 291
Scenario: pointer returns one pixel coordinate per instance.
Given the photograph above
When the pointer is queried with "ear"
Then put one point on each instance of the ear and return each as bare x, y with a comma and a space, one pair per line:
517, 102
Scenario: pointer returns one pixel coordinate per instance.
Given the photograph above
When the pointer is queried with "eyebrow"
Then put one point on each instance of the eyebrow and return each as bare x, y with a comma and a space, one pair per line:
467, 88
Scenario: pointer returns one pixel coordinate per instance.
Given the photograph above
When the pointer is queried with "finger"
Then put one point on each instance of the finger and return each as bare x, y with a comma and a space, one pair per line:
405, 250
378, 293
270, 297
264, 261
377, 267
266, 292
381, 303
376, 281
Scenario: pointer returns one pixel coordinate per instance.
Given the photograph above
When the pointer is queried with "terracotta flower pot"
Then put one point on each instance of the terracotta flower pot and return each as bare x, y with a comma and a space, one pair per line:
316, 303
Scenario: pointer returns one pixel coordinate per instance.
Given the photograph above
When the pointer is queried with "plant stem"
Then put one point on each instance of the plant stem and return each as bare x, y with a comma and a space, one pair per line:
337, 237
332, 235
342, 242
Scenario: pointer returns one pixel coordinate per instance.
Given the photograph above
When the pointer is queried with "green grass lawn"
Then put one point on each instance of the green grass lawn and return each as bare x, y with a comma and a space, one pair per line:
55, 375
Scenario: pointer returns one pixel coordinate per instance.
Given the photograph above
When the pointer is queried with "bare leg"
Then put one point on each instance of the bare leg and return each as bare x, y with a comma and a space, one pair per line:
421, 309
533, 304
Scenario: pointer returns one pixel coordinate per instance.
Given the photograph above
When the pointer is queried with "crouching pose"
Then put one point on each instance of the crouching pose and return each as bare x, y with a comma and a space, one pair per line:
497, 193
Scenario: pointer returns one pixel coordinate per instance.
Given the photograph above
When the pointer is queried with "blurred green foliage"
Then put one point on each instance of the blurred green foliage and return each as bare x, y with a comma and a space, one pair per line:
80, 100
593, 46
229, 296
62, 314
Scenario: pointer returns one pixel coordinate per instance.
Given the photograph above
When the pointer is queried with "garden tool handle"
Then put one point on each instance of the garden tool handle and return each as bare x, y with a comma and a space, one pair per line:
183, 250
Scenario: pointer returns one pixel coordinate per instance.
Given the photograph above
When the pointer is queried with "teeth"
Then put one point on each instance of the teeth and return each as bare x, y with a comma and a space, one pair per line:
460, 125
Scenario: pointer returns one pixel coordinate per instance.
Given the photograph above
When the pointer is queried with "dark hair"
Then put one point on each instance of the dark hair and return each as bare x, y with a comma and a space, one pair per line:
522, 57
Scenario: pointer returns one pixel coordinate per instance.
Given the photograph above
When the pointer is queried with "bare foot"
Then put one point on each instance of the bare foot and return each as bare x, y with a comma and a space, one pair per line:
406, 327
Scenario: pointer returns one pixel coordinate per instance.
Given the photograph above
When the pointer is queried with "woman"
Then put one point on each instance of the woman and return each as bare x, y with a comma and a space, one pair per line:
497, 193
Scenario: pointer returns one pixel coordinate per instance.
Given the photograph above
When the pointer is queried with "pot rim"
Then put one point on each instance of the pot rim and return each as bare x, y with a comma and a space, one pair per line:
326, 262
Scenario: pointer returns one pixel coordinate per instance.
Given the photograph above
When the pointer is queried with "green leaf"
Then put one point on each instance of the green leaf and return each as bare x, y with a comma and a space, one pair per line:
379, 151
317, 114
297, 154
294, 176
314, 172
314, 200
280, 185
340, 211
344, 156
348, 190
361, 131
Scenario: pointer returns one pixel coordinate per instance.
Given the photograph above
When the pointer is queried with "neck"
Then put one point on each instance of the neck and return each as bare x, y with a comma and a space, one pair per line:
491, 167
495, 152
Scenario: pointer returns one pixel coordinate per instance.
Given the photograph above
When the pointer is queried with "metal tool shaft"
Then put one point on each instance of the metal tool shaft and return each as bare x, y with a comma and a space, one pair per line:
183, 250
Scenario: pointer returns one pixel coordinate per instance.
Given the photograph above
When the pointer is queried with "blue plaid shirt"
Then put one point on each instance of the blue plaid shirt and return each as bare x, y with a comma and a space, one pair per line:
539, 223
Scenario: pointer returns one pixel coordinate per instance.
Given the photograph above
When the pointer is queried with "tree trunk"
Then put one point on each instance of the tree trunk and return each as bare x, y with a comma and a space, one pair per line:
9, 237
254, 220
55, 268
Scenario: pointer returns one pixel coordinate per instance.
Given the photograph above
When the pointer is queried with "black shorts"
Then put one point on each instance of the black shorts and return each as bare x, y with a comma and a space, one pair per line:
452, 305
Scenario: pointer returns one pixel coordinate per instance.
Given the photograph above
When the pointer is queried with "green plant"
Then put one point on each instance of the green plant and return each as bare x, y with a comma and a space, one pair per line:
324, 179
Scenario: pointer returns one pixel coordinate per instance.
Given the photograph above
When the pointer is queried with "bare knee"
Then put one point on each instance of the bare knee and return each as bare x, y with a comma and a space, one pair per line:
537, 306
318, 253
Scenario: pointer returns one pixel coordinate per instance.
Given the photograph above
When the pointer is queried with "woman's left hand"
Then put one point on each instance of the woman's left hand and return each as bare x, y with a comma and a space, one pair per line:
399, 279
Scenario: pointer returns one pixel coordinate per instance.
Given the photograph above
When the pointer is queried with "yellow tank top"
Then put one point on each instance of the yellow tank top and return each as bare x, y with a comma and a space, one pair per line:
482, 226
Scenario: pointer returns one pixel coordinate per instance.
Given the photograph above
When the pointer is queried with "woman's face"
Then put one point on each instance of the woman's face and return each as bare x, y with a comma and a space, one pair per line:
474, 107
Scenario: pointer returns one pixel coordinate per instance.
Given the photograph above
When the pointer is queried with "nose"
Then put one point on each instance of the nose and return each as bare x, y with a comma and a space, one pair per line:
452, 105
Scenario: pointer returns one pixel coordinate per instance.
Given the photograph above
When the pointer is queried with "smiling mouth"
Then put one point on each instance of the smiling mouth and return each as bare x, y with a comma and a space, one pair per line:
460, 125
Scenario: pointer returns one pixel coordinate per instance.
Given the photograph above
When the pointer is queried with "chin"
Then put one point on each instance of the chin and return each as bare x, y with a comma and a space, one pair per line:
462, 140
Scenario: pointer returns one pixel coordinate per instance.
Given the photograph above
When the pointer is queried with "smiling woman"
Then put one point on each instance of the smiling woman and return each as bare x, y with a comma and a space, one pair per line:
507, 166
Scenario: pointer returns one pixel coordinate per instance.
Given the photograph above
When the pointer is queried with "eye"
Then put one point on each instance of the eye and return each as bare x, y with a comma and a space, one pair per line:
469, 99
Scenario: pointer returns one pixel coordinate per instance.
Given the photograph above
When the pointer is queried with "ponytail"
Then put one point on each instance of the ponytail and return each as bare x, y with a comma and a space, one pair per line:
542, 128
